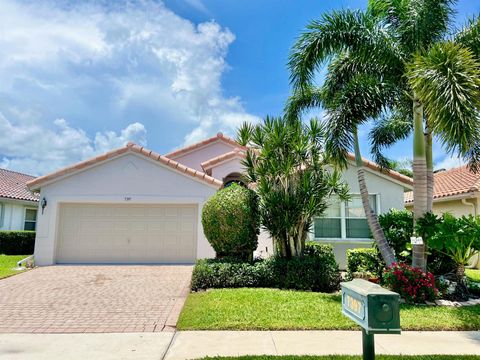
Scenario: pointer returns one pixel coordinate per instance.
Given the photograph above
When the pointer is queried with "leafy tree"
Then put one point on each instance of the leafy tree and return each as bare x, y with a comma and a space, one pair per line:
285, 165
410, 76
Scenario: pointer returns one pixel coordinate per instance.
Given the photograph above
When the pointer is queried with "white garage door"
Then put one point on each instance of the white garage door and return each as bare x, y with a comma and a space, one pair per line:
109, 233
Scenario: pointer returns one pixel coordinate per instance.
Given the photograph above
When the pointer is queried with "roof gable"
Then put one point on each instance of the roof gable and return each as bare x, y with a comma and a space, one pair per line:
13, 185
35, 184
220, 137
235, 154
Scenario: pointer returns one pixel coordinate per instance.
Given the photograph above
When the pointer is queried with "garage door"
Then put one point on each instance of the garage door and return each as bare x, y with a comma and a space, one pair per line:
108, 233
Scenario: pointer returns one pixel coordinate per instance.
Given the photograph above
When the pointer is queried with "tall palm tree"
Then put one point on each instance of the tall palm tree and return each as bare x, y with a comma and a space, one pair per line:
419, 71
349, 99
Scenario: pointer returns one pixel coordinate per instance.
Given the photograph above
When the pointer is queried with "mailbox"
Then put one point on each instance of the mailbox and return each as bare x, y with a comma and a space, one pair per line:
372, 307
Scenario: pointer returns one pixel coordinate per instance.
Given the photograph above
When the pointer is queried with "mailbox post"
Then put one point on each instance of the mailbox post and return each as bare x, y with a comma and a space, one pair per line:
372, 307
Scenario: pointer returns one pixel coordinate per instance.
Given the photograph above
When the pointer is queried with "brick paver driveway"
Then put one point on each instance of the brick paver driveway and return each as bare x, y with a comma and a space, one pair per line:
73, 299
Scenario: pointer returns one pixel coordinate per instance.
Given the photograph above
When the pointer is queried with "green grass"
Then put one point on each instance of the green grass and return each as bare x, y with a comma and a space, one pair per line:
473, 274
8, 263
347, 357
272, 309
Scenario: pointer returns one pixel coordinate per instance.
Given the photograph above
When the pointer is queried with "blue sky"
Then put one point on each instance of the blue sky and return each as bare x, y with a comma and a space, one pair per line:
80, 78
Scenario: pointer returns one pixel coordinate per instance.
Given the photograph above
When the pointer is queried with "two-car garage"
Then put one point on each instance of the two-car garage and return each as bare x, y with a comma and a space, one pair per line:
129, 206
121, 233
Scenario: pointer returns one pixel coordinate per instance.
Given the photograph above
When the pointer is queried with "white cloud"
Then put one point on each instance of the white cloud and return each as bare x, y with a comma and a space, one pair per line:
35, 150
102, 67
449, 162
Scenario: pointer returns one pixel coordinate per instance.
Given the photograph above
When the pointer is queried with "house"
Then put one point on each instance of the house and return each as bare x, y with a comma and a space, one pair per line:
132, 205
455, 191
18, 206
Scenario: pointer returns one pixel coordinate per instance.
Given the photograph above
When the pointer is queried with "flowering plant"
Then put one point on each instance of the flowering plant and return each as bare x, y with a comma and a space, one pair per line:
412, 284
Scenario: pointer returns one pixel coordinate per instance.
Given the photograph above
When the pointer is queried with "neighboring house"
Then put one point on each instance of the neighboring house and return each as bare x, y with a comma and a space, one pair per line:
18, 206
455, 191
132, 205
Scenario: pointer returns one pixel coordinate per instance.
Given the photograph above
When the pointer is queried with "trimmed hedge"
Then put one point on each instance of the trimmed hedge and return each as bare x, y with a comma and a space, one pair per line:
317, 270
231, 222
17, 242
364, 261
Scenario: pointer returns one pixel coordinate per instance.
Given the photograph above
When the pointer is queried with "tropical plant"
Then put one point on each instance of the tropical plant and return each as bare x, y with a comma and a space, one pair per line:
231, 222
458, 238
286, 167
396, 56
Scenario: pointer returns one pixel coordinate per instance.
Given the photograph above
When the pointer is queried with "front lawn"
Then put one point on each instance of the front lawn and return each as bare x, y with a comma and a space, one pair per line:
8, 263
348, 357
272, 309
473, 274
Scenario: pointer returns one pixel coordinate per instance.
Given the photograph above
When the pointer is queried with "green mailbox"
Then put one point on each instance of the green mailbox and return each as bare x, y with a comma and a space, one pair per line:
372, 307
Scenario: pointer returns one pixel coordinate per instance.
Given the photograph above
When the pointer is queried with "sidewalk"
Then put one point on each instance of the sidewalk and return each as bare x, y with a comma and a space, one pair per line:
198, 344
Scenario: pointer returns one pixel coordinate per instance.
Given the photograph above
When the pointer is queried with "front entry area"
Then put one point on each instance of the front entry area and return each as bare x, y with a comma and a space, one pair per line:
126, 233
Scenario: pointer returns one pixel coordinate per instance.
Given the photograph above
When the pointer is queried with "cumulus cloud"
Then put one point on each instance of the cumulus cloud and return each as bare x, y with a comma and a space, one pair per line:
103, 67
35, 150
449, 162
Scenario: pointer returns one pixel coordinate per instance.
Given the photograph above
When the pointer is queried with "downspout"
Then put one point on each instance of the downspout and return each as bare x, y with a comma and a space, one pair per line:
475, 261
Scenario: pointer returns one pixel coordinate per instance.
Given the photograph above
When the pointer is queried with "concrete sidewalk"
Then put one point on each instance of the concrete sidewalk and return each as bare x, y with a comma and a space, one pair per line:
198, 344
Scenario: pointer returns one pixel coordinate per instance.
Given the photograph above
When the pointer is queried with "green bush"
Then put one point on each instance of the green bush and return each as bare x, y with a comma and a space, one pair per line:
364, 261
315, 271
17, 242
231, 222
397, 226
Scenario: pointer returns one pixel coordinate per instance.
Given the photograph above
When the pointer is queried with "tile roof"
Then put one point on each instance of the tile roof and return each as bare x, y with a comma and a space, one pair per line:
219, 137
227, 156
13, 185
393, 174
36, 183
451, 182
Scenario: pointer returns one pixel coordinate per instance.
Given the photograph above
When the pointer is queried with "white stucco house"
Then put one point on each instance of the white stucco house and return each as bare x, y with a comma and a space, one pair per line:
18, 206
132, 205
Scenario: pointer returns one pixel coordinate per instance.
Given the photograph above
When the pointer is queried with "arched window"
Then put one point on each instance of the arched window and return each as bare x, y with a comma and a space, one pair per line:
233, 178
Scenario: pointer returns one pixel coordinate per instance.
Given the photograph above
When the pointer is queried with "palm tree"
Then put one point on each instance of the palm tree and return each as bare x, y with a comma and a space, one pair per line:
348, 100
285, 163
430, 80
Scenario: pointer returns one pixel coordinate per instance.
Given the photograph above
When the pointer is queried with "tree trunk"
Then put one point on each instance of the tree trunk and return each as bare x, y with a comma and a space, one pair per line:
430, 178
372, 219
419, 179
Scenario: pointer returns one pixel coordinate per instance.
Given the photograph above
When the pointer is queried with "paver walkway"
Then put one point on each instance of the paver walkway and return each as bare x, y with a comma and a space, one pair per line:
197, 344
78, 299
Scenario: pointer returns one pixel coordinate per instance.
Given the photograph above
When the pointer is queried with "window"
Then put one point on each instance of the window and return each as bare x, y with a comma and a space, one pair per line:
30, 219
344, 220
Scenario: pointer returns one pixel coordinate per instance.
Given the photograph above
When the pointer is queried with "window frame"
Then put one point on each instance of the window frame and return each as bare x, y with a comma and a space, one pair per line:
30, 221
343, 222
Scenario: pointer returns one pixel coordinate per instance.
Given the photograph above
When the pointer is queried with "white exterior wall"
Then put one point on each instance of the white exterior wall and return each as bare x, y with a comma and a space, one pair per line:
389, 195
130, 178
194, 158
14, 213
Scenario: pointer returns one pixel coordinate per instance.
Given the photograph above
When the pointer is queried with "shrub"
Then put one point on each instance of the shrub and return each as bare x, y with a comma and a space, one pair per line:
316, 271
364, 261
17, 242
412, 284
231, 222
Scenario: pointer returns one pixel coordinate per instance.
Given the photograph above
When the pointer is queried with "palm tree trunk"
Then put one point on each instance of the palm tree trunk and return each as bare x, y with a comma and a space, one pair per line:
429, 159
419, 179
430, 178
372, 220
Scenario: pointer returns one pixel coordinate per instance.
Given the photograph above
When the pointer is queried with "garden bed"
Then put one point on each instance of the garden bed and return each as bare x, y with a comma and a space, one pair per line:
272, 309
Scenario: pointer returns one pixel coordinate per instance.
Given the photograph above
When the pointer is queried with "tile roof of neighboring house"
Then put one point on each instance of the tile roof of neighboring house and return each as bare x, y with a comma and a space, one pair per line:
452, 182
393, 174
36, 183
227, 156
13, 185
218, 137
